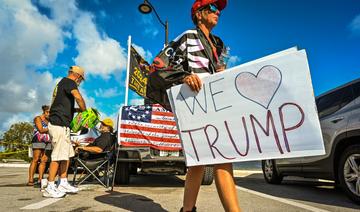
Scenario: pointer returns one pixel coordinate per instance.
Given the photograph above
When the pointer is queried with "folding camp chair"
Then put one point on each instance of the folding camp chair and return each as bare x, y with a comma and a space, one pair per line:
96, 165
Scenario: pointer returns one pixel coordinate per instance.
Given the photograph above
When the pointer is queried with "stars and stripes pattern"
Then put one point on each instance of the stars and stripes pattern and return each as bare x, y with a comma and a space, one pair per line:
148, 125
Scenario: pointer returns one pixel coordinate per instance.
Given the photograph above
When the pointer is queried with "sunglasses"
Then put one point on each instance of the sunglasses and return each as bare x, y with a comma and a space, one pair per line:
81, 78
211, 8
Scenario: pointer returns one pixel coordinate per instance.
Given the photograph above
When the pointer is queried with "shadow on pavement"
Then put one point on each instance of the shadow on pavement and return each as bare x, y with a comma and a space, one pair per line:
81, 209
9, 176
15, 185
302, 189
128, 201
154, 181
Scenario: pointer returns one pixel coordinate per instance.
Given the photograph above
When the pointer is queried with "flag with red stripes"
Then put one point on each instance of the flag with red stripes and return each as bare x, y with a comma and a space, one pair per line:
148, 125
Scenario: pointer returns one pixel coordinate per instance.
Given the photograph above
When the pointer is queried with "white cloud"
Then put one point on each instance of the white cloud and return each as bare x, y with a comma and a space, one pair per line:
233, 61
89, 100
118, 106
355, 25
146, 54
107, 93
139, 101
152, 31
17, 118
150, 28
29, 40
102, 14
113, 116
62, 12
98, 54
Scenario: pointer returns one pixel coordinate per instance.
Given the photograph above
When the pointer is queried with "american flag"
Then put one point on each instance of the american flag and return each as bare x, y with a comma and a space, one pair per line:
148, 125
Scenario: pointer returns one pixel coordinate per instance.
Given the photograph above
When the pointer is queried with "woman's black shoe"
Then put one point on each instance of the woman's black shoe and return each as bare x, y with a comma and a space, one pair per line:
193, 210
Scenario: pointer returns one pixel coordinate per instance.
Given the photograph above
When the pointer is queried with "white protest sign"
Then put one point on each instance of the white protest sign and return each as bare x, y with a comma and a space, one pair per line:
259, 110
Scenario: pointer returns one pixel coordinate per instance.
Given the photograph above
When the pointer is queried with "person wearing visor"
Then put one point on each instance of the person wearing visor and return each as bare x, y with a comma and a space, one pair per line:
62, 110
102, 143
194, 52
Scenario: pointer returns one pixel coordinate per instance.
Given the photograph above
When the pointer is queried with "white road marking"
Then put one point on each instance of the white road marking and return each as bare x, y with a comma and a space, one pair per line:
41, 204
293, 203
10, 165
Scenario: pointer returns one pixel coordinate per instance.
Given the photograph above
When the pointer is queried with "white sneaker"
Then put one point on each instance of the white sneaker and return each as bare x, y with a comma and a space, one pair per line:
53, 192
67, 188
43, 185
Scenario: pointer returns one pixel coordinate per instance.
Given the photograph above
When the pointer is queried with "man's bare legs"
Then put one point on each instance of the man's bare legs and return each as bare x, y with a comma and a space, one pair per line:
226, 187
224, 183
192, 185
51, 190
42, 165
64, 165
53, 170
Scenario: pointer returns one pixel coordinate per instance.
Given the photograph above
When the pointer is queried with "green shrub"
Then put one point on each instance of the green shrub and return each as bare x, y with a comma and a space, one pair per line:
23, 154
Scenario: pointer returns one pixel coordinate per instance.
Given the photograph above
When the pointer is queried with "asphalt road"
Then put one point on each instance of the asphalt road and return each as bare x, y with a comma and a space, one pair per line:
164, 193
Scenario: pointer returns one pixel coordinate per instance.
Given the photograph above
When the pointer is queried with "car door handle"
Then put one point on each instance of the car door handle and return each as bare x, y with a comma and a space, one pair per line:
337, 119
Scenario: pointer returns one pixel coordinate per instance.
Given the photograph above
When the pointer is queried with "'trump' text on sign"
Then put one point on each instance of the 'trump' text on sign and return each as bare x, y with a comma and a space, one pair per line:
260, 110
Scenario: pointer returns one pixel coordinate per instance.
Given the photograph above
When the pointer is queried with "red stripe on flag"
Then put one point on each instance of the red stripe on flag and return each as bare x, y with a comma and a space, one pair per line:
130, 144
152, 138
171, 123
150, 129
160, 113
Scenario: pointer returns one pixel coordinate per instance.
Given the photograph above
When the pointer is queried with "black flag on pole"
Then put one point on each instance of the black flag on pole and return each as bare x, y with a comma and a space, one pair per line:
138, 73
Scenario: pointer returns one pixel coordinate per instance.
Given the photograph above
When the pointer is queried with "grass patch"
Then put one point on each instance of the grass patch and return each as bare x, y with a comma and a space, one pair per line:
23, 154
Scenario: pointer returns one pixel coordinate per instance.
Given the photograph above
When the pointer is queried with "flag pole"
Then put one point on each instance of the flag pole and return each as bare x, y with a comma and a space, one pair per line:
119, 116
127, 72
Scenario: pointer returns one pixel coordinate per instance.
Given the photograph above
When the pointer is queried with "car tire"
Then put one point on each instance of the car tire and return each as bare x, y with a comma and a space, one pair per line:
348, 172
208, 176
122, 176
270, 172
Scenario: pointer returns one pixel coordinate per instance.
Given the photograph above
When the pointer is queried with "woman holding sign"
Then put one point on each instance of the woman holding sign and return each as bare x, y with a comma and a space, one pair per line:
195, 52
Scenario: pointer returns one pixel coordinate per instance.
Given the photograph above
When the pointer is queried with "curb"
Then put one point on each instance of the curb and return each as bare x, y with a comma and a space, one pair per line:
15, 165
26, 165
245, 173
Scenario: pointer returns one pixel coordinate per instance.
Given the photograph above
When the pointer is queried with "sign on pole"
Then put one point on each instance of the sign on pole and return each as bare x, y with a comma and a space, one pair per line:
263, 109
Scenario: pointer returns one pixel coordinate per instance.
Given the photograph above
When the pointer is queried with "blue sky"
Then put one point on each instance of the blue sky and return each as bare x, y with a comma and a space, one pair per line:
42, 38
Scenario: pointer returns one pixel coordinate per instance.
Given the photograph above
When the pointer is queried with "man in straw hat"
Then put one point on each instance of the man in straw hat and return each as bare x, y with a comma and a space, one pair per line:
61, 114
195, 52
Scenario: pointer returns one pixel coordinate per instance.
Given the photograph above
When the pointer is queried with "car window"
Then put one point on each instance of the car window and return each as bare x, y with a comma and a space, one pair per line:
332, 102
